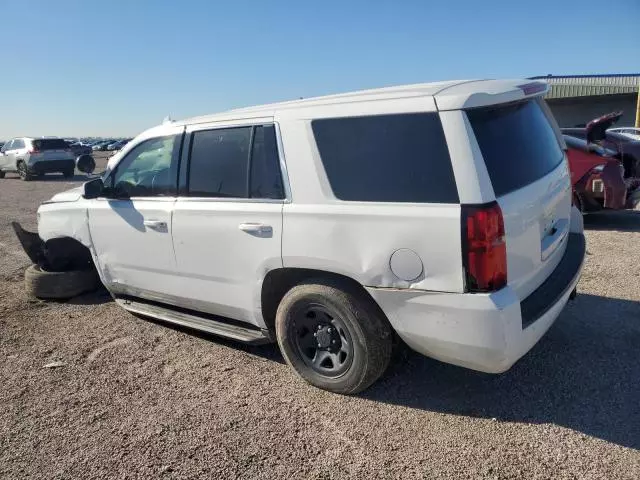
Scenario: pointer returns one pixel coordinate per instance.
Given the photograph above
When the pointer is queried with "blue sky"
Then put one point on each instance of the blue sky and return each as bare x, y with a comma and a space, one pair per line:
89, 67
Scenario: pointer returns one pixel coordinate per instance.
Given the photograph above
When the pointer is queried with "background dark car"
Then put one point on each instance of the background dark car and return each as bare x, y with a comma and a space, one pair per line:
79, 149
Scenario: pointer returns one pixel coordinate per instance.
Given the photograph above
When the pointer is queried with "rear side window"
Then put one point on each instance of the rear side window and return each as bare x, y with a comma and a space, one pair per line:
517, 142
387, 158
17, 144
238, 162
50, 144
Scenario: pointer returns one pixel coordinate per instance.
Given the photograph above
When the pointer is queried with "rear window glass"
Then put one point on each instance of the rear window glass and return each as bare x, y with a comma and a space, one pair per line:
517, 142
387, 158
50, 144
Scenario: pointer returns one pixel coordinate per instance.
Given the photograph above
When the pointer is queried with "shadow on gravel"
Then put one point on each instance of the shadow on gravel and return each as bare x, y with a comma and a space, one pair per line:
584, 374
622, 221
97, 297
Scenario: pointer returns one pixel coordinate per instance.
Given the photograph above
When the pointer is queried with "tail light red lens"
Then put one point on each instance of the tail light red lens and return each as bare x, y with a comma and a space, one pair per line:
34, 150
484, 247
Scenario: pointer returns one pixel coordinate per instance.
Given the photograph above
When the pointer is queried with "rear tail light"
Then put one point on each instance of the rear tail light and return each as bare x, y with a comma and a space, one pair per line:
484, 247
34, 150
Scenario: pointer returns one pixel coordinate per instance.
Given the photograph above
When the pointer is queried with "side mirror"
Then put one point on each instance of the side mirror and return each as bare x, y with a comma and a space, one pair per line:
85, 164
93, 188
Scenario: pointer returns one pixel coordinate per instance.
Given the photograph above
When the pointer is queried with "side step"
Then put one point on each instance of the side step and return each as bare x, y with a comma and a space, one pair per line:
252, 336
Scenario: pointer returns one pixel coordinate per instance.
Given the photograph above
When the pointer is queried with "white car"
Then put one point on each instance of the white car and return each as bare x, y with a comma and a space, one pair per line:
630, 132
440, 213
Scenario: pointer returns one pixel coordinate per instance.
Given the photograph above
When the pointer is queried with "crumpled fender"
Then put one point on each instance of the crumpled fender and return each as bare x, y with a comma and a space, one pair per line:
64, 219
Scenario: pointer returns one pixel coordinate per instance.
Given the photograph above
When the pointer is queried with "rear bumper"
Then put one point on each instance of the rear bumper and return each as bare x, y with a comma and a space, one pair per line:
485, 332
49, 166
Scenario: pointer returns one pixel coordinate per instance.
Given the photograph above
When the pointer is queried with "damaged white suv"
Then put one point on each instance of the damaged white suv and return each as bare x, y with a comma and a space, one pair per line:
438, 212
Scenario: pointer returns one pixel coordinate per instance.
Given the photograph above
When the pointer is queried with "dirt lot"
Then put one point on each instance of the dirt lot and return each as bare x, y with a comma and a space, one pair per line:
136, 399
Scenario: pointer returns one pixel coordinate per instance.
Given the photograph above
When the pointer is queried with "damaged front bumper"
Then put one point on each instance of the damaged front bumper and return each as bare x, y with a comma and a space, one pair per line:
55, 255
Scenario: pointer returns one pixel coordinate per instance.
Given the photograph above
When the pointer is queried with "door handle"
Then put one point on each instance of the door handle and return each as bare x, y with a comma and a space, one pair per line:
259, 228
155, 224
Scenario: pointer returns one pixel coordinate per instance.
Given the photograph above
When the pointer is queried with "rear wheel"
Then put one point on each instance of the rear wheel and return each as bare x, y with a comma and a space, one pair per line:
333, 336
23, 171
1, 174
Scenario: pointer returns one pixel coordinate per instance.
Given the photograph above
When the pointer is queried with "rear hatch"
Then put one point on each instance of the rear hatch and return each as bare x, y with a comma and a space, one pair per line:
526, 163
46, 149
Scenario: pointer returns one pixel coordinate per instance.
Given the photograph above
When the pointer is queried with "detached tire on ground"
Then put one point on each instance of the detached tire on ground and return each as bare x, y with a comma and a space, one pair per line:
59, 285
333, 336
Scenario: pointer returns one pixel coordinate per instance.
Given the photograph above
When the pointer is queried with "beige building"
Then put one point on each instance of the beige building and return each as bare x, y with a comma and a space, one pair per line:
577, 99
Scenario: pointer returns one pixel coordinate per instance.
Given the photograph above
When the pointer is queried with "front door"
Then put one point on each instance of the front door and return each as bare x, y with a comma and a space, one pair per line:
131, 224
227, 226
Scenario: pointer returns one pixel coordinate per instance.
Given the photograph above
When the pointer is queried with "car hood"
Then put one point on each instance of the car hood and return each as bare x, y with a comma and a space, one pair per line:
597, 128
67, 196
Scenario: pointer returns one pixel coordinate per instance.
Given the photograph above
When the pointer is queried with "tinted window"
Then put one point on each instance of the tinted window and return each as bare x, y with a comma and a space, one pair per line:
147, 170
517, 142
50, 144
266, 179
387, 158
219, 163
7, 146
17, 144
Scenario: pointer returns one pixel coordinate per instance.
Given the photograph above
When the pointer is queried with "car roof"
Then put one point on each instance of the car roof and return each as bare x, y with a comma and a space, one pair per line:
450, 95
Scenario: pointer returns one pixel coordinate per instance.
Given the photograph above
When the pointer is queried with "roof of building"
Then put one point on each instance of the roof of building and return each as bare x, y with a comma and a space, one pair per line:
568, 86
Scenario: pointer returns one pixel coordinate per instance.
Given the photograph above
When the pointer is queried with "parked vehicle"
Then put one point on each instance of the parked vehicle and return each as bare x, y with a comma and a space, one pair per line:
597, 176
330, 223
101, 146
80, 149
631, 132
117, 145
36, 156
598, 131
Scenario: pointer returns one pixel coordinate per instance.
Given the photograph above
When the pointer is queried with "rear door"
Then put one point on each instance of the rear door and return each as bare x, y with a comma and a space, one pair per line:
527, 167
227, 222
5, 156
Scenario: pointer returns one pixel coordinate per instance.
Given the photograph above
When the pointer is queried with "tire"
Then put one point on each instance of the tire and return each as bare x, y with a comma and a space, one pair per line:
69, 173
59, 285
345, 316
23, 171
2, 174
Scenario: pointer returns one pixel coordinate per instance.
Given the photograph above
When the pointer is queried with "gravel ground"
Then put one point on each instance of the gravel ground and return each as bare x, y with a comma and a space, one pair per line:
136, 399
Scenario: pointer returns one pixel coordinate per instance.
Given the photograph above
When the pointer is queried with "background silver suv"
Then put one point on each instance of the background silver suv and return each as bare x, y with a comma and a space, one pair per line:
36, 156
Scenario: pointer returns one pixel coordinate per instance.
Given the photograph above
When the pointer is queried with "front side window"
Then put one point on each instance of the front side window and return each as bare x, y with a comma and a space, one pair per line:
150, 169
7, 146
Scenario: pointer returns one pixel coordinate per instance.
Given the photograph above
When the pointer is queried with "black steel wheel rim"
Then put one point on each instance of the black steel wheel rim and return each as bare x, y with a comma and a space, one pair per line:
322, 340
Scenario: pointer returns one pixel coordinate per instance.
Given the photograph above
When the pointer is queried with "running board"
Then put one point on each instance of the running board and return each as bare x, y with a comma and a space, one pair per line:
251, 336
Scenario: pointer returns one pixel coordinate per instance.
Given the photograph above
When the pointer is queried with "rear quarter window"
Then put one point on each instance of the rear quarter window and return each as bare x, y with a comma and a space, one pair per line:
50, 144
518, 144
386, 158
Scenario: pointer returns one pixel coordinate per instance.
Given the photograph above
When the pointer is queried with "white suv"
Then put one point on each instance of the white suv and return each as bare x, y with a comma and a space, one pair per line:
31, 157
441, 212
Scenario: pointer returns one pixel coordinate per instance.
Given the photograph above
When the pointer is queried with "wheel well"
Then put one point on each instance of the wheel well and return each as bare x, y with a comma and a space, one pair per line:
66, 253
278, 282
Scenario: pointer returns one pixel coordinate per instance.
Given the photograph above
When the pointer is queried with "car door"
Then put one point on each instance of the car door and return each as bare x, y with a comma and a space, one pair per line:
227, 220
130, 224
5, 156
